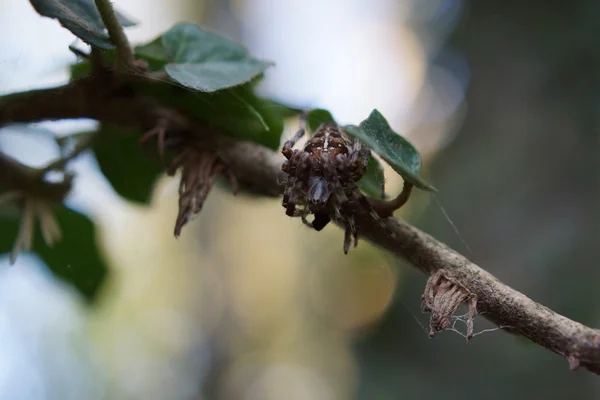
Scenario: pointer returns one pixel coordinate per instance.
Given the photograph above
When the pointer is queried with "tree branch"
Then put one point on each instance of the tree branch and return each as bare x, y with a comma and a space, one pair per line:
125, 58
258, 168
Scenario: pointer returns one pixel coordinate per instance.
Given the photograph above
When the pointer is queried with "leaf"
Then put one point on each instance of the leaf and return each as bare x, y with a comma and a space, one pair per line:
372, 182
205, 61
284, 110
130, 170
238, 111
216, 75
153, 50
316, 117
376, 133
81, 17
75, 259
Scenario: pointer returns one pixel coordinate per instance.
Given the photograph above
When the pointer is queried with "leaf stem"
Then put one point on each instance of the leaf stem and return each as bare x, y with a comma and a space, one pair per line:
125, 58
386, 208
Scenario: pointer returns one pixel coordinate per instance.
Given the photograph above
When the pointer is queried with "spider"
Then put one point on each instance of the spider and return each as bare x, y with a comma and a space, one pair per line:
322, 178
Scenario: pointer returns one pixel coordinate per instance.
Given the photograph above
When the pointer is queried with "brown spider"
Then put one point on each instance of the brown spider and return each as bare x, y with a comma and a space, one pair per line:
322, 178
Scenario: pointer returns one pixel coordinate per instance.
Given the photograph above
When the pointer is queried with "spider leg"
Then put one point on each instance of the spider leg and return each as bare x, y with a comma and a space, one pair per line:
359, 160
350, 233
321, 220
343, 214
294, 197
303, 213
347, 240
365, 155
287, 150
305, 221
288, 191
364, 202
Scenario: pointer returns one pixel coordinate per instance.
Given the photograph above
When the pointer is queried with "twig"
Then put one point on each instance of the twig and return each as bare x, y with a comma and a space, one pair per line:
125, 58
259, 168
81, 146
19, 178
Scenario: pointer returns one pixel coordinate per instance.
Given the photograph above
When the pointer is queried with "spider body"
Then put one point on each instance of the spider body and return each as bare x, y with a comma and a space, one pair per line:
322, 178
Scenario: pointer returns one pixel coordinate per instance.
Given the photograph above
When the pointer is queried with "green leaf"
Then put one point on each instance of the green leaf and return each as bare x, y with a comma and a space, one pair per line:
130, 169
284, 110
372, 182
316, 117
75, 258
216, 75
238, 111
205, 61
376, 133
81, 17
153, 50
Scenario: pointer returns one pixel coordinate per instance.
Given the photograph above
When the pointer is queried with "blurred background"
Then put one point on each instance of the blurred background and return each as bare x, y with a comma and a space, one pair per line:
501, 99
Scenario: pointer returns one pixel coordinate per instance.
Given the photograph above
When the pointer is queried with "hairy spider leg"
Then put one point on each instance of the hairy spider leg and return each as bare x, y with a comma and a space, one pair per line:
364, 202
293, 188
321, 220
287, 149
359, 160
299, 163
294, 198
331, 173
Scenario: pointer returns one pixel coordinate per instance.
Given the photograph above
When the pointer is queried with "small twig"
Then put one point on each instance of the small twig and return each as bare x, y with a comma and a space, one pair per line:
81, 146
19, 178
125, 58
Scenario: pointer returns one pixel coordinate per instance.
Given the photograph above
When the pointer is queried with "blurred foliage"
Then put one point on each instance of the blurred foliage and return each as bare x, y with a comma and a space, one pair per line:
317, 117
205, 61
130, 169
81, 17
75, 259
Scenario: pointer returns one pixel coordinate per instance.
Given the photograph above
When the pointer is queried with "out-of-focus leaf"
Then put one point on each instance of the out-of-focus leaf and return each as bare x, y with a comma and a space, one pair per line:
215, 75
316, 117
205, 61
376, 133
238, 111
130, 169
285, 110
81, 17
373, 181
74, 259
153, 50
